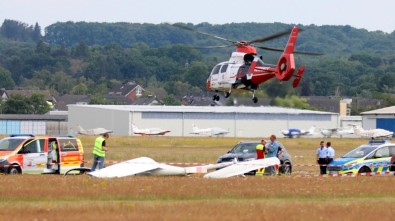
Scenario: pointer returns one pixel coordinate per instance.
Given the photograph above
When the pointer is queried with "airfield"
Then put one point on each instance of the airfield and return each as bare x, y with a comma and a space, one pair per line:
304, 195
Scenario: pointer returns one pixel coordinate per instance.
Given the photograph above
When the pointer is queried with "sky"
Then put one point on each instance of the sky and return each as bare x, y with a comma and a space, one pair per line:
366, 14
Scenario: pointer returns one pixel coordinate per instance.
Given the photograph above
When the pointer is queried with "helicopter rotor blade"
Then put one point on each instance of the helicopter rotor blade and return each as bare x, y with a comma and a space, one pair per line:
295, 52
209, 47
203, 33
270, 37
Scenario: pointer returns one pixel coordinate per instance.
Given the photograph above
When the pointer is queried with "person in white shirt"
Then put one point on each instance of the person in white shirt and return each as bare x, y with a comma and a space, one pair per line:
322, 154
331, 152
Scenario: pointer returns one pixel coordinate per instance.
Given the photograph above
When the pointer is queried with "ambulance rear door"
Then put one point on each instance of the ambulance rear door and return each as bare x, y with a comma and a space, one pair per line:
69, 154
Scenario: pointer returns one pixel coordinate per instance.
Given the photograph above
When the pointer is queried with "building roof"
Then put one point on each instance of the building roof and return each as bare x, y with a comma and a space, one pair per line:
64, 100
386, 110
46, 117
207, 109
47, 95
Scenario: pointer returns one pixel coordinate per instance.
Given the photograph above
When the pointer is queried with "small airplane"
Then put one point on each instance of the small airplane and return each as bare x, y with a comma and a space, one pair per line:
213, 131
94, 131
149, 131
337, 132
245, 70
295, 132
373, 133
148, 166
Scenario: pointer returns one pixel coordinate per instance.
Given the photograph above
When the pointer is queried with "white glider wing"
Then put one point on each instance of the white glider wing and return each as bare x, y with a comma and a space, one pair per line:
241, 168
148, 166
127, 168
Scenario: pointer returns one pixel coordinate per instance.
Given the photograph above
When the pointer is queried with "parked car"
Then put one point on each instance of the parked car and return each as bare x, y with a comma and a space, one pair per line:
375, 156
29, 154
246, 150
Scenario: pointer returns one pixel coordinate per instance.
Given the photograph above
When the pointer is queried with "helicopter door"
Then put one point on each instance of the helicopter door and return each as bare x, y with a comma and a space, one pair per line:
223, 74
213, 78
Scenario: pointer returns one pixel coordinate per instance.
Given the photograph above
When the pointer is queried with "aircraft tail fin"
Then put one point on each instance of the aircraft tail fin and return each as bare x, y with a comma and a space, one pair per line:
194, 128
311, 130
286, 63
80, 129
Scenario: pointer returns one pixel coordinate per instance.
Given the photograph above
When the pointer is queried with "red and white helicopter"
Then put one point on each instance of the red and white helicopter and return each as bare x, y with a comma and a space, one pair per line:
245, 69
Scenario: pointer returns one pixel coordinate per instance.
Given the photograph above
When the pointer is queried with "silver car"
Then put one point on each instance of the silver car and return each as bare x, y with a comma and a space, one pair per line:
246, 150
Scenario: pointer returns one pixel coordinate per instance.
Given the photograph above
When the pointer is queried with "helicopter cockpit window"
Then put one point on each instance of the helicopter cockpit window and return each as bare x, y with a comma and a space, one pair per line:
224, 68
216, 69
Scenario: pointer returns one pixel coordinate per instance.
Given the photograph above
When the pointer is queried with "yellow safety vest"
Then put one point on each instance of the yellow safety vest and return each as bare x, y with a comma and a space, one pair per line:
259, 147
98, 147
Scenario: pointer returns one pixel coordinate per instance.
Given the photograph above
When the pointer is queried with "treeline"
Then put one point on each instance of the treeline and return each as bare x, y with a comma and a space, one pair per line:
90, 58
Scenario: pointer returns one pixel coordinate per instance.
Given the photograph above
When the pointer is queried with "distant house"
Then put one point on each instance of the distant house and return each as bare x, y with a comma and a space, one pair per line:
6, 94
147, 100
324, 103
64, 100
130, 90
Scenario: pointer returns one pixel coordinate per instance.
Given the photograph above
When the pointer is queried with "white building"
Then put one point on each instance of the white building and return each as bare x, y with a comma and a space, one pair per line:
383, 118
239, 121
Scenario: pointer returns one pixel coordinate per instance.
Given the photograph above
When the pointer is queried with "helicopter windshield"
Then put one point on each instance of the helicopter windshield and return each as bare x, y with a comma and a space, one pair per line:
216, 69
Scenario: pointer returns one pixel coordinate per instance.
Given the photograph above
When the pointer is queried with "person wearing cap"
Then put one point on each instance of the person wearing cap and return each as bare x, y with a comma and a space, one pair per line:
99, 151
260, 154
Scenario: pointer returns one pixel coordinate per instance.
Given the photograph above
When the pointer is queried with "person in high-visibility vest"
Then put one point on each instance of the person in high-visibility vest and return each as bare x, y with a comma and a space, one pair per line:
99, 151
260, 154
52, 156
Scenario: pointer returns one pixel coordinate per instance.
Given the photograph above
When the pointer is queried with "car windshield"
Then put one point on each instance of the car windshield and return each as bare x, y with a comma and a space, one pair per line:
10, 144
244, 148
359, 152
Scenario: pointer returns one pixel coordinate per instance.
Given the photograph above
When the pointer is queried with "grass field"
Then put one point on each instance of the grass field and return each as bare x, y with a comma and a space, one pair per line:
301, 196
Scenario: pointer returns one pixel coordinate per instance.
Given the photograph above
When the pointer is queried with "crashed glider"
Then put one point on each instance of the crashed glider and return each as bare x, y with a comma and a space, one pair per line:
148, 166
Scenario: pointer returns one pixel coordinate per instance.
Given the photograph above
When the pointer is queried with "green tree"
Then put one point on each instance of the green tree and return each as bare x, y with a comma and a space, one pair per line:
38, 104
16, 104
6, 80
171, 100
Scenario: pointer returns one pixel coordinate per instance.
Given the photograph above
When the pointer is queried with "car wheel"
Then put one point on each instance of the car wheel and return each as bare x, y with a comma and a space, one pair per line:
364, 170
14, 170
286, 169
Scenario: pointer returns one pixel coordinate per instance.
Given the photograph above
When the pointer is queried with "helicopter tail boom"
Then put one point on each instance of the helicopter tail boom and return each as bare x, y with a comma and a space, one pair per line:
286, 63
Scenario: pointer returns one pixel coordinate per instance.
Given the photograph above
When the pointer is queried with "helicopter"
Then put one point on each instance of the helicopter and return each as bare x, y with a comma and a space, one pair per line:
245, 70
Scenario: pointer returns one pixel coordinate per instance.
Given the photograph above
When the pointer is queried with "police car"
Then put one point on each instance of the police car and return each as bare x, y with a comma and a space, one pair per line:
375, 156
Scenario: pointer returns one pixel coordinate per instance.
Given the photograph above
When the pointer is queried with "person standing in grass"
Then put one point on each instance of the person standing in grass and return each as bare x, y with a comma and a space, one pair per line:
260, 154
272, 150
331, 152
99, 151
322, 154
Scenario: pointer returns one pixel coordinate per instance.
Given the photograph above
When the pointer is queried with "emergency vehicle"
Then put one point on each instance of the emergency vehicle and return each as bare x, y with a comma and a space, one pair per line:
29, 154
375, 156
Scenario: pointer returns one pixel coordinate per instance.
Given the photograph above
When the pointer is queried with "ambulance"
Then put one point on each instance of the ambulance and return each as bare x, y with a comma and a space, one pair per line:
377, 156
29, 154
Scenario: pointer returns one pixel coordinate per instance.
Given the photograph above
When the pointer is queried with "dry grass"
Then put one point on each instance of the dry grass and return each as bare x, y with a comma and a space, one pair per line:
296, 197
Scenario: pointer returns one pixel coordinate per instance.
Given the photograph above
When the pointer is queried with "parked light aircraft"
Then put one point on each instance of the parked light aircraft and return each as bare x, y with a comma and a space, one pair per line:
149, 131
337, 132
295, 132
94, 131
213, 131
373, 133
148, 166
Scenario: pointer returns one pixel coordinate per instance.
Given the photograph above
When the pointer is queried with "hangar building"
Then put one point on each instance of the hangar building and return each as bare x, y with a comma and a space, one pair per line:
383, 118
239, 121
